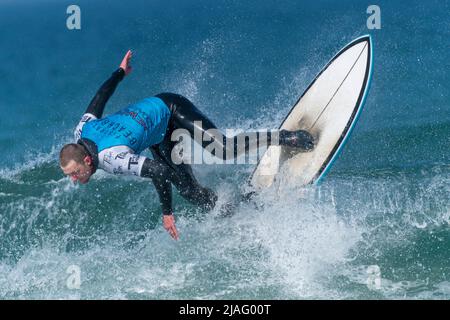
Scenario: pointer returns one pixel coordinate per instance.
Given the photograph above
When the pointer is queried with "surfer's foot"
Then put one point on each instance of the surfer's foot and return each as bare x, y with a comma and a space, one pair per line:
299, 139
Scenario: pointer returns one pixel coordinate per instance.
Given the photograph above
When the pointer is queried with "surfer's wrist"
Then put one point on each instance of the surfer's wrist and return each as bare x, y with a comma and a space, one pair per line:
120, 73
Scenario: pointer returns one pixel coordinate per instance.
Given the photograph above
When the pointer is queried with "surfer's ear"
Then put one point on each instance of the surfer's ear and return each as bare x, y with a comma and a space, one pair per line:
88, 160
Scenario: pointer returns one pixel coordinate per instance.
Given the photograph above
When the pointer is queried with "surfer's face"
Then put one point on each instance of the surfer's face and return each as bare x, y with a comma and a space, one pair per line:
79, 172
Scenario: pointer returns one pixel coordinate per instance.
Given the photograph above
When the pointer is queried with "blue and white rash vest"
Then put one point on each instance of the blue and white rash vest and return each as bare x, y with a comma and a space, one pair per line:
121, 136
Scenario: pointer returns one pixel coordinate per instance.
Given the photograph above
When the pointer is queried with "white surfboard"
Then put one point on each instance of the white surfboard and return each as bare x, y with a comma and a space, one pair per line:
328, 109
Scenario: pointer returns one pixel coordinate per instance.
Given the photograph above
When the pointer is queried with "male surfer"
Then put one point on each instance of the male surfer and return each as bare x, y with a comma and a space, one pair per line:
114, 143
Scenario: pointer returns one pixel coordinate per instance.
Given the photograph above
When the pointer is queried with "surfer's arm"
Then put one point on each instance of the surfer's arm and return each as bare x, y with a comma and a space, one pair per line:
159, 173
97, 105
102, 96
122, 160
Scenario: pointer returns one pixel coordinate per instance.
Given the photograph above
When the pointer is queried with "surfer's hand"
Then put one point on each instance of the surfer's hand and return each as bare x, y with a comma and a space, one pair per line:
169, 225
125, 65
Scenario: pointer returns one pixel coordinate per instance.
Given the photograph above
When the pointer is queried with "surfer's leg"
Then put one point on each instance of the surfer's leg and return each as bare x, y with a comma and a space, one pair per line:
191, 190
185, 115
183, 178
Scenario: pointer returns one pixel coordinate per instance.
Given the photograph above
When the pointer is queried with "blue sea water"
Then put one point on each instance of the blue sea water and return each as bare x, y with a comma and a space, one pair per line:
376, 228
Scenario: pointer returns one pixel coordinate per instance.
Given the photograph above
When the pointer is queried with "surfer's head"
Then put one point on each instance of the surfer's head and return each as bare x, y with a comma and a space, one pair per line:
76, 162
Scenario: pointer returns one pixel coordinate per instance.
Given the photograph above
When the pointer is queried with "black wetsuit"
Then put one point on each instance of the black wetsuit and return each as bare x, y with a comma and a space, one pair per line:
161, 169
